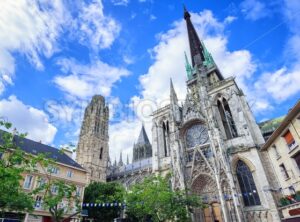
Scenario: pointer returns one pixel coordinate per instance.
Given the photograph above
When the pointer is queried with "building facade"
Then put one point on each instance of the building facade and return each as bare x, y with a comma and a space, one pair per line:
282, 148
210, 145
92, 149
63, 169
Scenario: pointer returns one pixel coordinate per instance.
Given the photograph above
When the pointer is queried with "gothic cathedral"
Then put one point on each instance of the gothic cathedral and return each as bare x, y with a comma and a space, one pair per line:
210, 144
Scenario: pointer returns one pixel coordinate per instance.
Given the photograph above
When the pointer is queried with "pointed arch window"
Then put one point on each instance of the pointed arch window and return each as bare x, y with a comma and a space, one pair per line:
166, 140
247, 184
226, 118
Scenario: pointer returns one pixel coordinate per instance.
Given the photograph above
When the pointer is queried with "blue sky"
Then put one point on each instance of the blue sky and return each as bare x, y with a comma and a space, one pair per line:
55, 55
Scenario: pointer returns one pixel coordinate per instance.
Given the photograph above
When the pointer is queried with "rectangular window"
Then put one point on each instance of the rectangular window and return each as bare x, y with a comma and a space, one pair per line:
38, 202
277, 155
297, 159
289, 139
284, 171
28, 181
53, 170
54, 189
69, 173
41, 182
78, 191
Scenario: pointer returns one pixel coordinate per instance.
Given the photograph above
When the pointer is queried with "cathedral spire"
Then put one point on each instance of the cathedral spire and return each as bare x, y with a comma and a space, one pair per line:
143, 138
142, 149
175, 110
196, 47
127, 162
172, 92
121, 160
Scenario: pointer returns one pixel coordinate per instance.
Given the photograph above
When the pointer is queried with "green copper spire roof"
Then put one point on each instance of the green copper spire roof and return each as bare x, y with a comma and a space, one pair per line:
188, 67
208, 59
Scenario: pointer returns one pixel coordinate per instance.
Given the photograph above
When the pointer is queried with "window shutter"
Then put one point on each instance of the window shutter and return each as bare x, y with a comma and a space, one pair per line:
289, 138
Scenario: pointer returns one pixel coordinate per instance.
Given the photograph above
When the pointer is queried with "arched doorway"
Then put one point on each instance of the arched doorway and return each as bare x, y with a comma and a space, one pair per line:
205, 186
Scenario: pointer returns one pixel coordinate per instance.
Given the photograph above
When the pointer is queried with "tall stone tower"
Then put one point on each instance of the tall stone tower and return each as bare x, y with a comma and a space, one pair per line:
92, 149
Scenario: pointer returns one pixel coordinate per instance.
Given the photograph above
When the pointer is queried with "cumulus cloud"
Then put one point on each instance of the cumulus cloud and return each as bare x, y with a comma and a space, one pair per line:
31, 28
280, 84
284, 82
94, 29
254, 9
86, 80
27, 119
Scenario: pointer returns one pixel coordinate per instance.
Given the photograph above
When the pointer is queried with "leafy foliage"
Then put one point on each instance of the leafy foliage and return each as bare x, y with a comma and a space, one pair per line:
102, 193
13, 163
154, 200
59, 198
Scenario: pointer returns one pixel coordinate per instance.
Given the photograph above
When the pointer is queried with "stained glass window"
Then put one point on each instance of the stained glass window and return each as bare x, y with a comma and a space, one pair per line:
195, 135
247, 185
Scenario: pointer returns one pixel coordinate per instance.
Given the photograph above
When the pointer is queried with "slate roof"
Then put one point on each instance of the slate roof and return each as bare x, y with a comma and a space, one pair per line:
35, 148
143, 138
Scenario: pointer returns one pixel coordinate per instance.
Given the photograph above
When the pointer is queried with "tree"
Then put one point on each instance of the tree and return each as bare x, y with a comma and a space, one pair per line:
13, 162
154, 200
59, 197
104, 193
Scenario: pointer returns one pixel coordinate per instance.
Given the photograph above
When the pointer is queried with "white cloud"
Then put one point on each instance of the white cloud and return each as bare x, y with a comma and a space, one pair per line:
152, 17
120, 2
230, 19
128, 59
284, 82
27, 119
254, 9
86, 80
281, 84
94, 29
31, 28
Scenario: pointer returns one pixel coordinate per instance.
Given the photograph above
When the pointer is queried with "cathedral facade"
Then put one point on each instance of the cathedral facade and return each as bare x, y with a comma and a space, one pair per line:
210, 145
